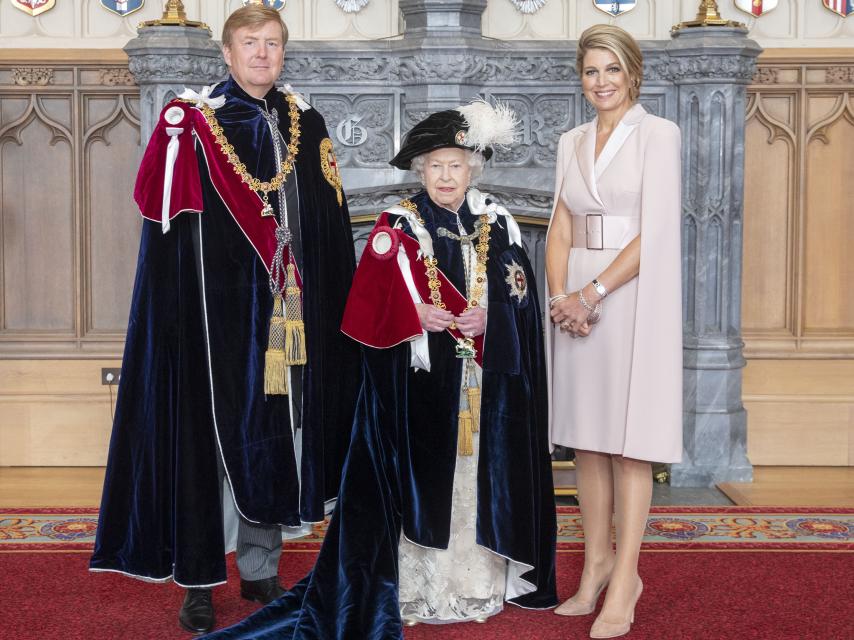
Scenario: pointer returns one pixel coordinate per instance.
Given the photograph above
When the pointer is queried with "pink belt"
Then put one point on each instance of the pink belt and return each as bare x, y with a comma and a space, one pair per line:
601, 231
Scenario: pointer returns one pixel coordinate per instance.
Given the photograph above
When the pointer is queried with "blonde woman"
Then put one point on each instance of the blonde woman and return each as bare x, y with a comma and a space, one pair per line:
615, 343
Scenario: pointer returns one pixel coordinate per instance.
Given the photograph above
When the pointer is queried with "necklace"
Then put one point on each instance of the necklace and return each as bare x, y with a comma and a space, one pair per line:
474, 290
261, 187
464, 238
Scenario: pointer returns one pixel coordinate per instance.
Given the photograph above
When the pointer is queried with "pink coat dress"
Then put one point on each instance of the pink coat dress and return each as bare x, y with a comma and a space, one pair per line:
619, 390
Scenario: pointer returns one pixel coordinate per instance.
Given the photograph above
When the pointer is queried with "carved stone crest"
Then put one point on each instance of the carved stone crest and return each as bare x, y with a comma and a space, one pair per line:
32, 76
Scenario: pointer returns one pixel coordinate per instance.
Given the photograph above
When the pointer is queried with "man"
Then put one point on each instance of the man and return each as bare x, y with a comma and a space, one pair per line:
237, 390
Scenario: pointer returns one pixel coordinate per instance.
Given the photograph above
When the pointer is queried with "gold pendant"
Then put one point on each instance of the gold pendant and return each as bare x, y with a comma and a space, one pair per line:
465, 348
267, 211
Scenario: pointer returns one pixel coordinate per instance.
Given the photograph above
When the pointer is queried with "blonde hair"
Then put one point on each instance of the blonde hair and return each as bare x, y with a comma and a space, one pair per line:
619, 42
253, 16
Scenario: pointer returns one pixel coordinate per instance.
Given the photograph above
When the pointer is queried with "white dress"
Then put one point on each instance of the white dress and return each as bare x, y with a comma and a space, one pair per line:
466, 581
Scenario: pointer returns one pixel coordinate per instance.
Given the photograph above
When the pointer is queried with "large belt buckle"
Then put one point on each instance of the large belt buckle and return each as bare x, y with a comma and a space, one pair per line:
594, 231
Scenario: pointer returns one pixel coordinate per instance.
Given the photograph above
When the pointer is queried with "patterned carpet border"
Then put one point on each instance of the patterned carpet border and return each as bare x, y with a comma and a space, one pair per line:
709, 528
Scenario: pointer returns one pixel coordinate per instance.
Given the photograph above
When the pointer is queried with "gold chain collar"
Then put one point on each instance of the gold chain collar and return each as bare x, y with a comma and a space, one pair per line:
482, 251
240, 168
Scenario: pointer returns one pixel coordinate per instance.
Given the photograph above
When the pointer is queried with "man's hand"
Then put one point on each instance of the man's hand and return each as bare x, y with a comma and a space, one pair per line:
472, 322
433, 318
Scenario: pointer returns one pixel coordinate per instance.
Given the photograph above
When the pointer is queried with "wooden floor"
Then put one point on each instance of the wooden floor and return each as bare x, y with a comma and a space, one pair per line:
794, 487
772, 486
51, 486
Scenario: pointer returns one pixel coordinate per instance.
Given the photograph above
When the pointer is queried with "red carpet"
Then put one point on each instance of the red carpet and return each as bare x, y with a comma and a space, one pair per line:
694, 594
734, 573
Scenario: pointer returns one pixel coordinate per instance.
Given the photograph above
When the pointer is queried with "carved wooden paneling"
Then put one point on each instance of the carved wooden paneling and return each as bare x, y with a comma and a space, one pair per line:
798, 310
799, 185
37, 216
829, 223
769, 203
69, 149
111, 154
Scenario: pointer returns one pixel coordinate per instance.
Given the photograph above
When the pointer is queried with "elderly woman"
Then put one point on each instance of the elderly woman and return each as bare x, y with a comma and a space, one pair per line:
616, 363
446, 506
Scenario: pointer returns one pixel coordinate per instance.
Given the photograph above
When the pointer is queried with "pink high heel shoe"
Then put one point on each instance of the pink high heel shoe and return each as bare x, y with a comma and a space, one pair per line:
603, 629
572, 607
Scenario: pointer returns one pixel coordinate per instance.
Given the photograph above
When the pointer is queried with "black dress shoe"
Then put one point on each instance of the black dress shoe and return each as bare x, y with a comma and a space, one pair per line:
264, 591
197, 613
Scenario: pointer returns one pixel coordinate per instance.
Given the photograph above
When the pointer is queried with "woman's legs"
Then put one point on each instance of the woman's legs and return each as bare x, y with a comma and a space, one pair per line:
596, 496
633, 495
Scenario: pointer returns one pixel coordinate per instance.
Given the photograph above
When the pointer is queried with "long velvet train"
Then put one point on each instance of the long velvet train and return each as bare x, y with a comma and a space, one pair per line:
399, 472
192, 373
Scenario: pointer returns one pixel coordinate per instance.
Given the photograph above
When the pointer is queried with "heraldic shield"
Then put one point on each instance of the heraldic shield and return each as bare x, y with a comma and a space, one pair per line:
34, 7
756, 7
278, 5
843, 7
122, 7
615, 7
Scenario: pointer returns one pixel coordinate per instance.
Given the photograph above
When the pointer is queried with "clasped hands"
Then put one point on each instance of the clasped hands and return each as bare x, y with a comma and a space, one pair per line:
471, 322
570, 316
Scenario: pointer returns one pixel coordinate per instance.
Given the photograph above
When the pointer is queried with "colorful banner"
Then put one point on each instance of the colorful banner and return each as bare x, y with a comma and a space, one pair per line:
615, 7
122, 7
34, 7
843, 7
756, 7
278, 5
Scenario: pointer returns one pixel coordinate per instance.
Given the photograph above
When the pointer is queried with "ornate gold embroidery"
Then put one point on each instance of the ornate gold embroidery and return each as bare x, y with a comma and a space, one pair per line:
412, 208
329, 167
482, 250
240, 169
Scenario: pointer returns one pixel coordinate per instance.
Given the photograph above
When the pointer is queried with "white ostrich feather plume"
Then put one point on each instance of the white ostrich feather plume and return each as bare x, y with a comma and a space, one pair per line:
490, 125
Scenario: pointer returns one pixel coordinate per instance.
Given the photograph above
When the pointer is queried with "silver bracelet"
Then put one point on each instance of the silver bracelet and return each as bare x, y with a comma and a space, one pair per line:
600, 288
594, 311
555, 299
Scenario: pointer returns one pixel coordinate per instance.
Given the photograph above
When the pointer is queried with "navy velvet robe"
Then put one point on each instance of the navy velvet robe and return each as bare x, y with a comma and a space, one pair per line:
400, 468
192, 374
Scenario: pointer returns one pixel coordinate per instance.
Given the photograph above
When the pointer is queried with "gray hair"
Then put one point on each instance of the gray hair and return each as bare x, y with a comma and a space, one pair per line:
475, 161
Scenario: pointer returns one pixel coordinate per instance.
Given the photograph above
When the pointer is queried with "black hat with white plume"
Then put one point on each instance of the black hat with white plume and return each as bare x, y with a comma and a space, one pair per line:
478, 126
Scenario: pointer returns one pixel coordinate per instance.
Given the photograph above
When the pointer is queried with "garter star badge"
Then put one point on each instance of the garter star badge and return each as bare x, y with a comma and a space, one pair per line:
517, 281
615, 7
329, 167
122, 7
34, 7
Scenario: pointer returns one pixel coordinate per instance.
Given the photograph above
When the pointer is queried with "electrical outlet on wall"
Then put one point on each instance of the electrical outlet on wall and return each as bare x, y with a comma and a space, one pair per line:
110, 375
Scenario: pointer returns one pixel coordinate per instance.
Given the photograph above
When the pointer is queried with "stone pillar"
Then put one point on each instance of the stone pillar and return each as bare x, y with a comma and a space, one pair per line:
711, 67
439, 54
442, 18
166, 59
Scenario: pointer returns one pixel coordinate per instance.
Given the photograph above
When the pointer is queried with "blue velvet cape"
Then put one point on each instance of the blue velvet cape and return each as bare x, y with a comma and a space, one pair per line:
161, 514
399, 471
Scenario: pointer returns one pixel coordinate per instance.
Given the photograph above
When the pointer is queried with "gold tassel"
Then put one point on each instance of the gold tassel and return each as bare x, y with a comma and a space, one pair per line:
275, 372
295, 352
465, 443
473, 395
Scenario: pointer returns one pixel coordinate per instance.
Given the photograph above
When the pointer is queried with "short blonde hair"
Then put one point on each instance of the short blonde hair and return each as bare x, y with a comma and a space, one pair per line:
619, 42
253, 16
